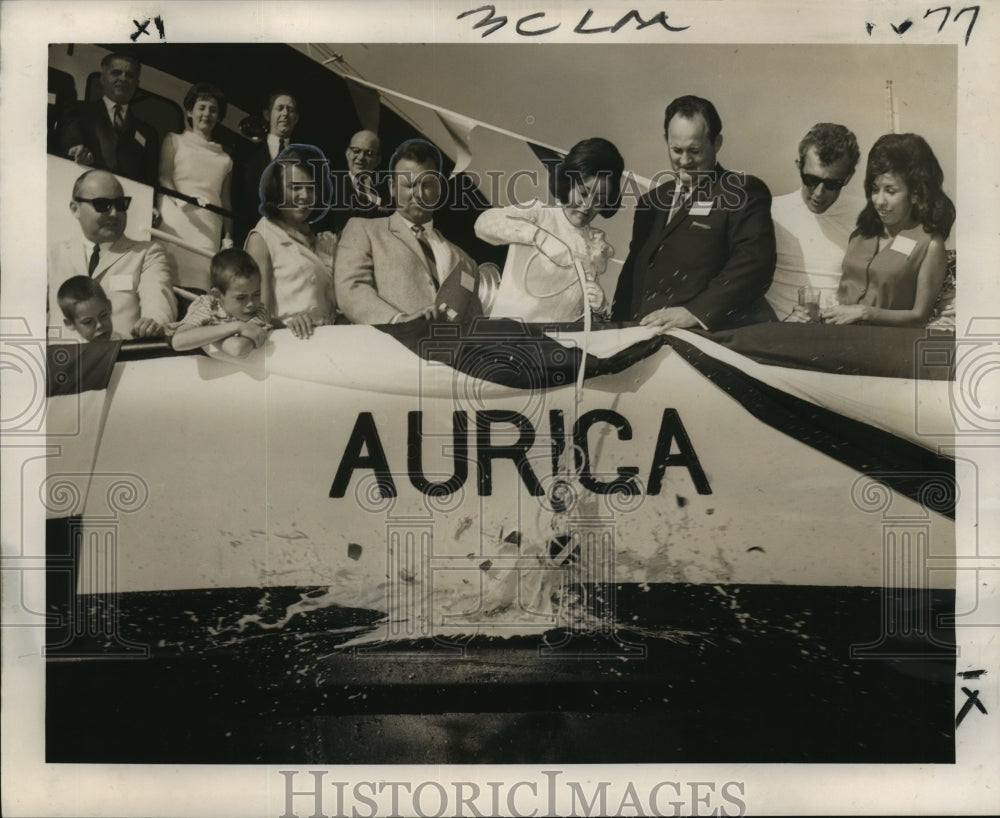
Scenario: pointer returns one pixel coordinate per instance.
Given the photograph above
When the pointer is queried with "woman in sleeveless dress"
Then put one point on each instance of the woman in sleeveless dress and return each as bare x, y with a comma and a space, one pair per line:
192, 164
296, 264
896, 259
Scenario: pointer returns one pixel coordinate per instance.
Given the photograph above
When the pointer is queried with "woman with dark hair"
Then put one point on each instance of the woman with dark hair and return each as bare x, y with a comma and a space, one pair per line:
540, 280
296, 264
192, 164
896, 260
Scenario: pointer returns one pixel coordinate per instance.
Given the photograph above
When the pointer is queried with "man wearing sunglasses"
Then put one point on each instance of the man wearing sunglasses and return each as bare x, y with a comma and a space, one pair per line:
135, 275
812, 224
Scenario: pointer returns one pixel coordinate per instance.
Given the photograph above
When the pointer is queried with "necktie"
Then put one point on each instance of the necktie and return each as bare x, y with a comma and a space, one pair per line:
418, 231
119, 118
680, 197
282, 144
95, 257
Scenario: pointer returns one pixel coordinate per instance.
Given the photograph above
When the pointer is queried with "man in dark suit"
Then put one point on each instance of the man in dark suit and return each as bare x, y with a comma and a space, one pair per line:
104, 133
358, 193
702, 251
282, 115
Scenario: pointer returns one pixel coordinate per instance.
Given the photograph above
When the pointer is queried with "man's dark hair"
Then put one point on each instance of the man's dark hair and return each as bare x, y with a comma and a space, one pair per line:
591, 157
420, 151
832, 143
281, 92
689, 107
116, 55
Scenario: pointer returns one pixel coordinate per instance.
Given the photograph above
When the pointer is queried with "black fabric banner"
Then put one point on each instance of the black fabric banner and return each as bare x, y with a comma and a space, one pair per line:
511, 353
74, 368
906, 468
885, 352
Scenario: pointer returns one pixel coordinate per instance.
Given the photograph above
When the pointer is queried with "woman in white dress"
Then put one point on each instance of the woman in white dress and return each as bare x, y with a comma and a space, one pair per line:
540, 282
192, 164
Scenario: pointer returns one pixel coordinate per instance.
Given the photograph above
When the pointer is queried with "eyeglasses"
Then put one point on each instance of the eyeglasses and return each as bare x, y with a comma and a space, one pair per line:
102, 205
362, 152
811, 181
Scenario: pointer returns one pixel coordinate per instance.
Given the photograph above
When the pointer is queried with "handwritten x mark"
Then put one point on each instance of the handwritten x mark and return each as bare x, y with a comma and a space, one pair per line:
140, 28
969, 702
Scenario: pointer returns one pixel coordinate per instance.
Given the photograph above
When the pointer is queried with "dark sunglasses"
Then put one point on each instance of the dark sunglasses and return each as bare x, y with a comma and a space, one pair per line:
811, 181
102, 205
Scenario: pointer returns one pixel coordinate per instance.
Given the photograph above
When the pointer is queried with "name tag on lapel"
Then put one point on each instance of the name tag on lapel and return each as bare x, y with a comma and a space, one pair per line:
120, 283
701, 208
140, 139
903, 244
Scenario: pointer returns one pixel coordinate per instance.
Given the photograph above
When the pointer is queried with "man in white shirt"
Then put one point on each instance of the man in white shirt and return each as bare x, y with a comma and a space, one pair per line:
400, 268
282, 117
135, 275
813, 224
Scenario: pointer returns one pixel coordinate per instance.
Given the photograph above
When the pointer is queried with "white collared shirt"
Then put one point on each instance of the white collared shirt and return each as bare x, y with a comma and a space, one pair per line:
438, 246
368, 190
110, 105
681, 192
274, 144
88, 249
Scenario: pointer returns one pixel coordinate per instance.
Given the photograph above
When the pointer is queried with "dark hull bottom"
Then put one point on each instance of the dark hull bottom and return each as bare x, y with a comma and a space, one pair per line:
729, 674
